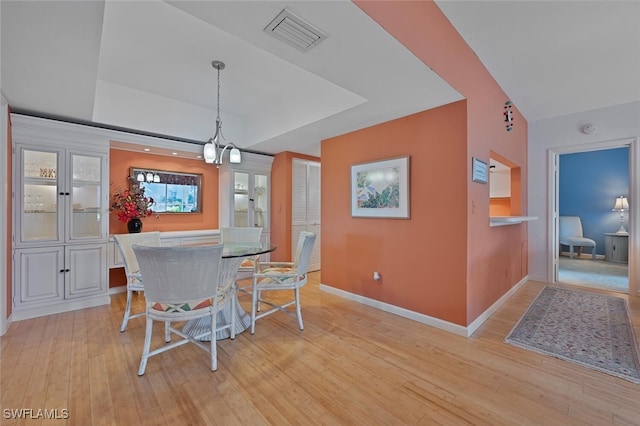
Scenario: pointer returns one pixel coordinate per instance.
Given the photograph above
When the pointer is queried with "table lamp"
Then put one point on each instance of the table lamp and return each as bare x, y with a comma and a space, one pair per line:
621, 206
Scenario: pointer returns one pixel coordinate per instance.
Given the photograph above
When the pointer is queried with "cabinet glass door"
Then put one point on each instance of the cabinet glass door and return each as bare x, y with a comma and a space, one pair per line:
86, 216
241, 199
40, 220
261, 201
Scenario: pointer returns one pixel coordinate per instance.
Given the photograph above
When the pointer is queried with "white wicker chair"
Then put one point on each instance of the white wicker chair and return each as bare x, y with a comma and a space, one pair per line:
243, 235
282, 276
131, 268
182, 284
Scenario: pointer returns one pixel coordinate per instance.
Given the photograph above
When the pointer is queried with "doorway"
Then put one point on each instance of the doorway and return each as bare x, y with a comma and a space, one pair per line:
587, 180
305, 215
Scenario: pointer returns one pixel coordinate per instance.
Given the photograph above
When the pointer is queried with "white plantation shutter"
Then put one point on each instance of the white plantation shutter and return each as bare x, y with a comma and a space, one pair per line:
305, 205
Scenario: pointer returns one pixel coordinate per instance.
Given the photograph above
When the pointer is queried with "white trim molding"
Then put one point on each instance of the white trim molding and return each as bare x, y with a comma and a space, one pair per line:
4, 194
422, 318
634, 195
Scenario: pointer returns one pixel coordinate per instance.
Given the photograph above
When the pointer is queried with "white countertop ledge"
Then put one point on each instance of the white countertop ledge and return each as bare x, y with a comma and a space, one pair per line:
509, 220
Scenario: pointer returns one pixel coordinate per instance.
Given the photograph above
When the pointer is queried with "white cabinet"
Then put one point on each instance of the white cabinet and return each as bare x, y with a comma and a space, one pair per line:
168, 238
85, 270
39, 276
48, 275
60, 194
305, 205
60, 197
245, 193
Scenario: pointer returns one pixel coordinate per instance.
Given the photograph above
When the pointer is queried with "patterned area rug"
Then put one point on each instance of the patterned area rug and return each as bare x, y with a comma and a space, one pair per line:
589, 329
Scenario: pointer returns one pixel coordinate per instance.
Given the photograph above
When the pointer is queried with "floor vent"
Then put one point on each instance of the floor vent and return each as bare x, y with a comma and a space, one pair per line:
295, 31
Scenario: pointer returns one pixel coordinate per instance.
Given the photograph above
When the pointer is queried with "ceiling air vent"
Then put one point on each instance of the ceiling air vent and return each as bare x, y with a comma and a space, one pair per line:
295, 31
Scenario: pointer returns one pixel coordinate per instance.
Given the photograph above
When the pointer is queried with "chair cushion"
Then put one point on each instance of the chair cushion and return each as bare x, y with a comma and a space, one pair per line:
134, 282
247, 263
578, 241
279, 276
188, 306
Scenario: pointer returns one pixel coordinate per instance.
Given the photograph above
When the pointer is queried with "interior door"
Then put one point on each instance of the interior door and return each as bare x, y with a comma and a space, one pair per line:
305, 215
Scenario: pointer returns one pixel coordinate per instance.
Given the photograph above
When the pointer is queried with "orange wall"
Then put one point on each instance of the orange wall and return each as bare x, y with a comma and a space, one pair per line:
500, 206
421, 259
119, 163
281, 193
495, 257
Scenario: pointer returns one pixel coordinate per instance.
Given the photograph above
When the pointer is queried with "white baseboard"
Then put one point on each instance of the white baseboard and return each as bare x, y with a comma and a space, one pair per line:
471, 328
582, 256
19, 314
405, 313
422, 318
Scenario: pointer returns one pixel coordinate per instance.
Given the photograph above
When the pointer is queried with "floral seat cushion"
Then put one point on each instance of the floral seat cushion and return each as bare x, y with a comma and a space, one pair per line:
248, 263
279, 275
188, 306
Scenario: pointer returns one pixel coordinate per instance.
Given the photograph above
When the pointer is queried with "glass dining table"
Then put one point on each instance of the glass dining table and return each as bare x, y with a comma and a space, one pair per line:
232, 256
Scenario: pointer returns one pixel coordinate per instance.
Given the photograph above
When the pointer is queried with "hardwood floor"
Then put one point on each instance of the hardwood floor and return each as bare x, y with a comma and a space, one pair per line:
351, 365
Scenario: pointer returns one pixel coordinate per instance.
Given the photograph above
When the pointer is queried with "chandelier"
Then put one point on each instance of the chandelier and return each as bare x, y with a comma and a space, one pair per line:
213, 150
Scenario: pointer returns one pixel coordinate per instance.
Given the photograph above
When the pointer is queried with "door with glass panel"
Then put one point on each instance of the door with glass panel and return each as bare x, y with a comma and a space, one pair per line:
60, 195
251, 199
85, 197
39, 219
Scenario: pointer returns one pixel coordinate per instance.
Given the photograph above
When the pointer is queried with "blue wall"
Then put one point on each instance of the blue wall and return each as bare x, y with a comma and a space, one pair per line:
590, 182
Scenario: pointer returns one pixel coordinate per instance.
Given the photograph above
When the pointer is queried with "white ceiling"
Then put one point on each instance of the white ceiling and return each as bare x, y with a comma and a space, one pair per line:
146, 65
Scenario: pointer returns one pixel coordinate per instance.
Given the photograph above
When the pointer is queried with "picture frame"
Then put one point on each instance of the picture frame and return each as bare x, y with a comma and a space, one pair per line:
479, 171
380, 189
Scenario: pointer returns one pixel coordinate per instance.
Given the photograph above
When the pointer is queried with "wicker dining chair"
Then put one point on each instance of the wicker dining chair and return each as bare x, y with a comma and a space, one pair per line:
183, 284
282, 276
243, 235
124, 242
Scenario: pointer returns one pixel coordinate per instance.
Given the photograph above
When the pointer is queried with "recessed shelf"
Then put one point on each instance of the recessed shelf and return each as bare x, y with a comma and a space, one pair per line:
509, 220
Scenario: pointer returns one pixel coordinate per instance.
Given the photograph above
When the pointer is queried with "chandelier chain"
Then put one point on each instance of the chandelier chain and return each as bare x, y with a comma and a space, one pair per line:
218, 117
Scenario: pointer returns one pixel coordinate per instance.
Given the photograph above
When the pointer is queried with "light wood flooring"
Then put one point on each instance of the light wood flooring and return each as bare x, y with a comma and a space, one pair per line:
352, 365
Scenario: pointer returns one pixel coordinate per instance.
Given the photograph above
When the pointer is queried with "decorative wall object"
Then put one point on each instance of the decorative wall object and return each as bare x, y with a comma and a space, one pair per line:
508, 116
479, 170
380, 189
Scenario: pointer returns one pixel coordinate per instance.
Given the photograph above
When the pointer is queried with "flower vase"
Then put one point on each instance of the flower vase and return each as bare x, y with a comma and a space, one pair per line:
134, 225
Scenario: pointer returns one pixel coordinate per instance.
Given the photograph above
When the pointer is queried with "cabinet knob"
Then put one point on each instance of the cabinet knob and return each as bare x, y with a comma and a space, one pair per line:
61, 270
61, 193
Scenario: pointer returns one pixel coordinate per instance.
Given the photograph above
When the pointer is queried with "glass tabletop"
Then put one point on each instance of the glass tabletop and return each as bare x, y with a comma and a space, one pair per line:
246, 249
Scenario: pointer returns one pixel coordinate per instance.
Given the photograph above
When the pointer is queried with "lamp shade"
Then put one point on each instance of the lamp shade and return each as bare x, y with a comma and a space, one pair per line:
622, 204
234, 156
209, 152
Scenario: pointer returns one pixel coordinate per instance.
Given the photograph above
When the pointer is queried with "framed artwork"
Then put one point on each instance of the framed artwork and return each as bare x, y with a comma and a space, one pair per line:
479, 170
381, 189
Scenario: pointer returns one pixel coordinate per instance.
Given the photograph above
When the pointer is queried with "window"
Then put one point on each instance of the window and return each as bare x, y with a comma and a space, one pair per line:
172, 192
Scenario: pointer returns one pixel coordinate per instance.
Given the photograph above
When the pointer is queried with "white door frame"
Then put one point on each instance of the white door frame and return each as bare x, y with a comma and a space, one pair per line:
634, 204
4, 193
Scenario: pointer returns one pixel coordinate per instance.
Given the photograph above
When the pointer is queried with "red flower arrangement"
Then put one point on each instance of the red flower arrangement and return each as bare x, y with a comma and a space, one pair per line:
131, 203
